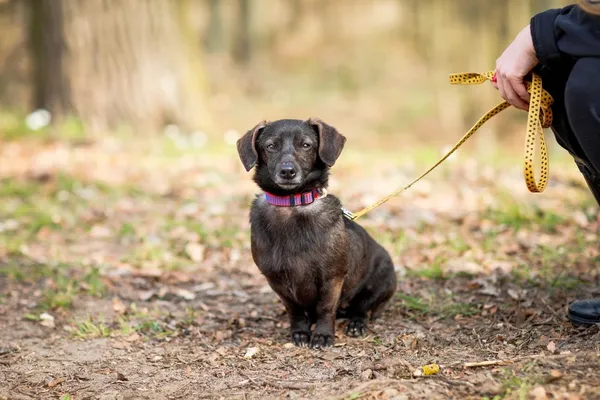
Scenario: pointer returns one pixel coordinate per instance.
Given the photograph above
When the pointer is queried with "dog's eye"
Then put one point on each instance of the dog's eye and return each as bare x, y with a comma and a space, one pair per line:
306, 145
270, 146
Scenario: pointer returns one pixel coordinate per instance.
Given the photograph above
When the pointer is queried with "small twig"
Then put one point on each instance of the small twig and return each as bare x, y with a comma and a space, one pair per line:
545, 322
291, 385
478, 338
486, 363
553, 311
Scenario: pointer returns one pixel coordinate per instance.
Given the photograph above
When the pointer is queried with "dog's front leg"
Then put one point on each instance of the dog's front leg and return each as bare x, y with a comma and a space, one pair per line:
324, 333
299, 323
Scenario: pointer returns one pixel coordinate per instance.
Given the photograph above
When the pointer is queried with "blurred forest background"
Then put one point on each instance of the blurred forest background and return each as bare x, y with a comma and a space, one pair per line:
125, 262
376, 69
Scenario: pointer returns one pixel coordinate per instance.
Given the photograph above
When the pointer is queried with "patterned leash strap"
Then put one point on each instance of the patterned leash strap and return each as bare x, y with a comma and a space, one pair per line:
539, 117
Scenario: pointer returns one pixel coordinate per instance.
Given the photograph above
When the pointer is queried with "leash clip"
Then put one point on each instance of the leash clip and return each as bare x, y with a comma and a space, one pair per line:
348, 214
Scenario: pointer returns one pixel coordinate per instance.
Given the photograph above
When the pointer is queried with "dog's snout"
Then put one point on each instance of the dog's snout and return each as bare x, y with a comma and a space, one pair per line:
287, 171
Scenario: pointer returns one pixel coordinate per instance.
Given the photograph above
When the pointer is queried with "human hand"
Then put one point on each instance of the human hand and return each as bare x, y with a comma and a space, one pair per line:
516, 61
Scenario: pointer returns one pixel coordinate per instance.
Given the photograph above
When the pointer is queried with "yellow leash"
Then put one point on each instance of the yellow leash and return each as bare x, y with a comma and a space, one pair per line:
540, 117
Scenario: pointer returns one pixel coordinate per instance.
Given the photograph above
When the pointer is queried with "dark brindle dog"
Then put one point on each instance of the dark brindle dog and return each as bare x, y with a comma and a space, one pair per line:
319, 263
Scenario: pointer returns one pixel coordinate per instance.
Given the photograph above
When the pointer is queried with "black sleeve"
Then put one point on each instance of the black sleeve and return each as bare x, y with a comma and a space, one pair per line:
544, 37
560, 35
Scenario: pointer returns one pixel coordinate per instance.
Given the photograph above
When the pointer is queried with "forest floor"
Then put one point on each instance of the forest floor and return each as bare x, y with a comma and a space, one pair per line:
125, 273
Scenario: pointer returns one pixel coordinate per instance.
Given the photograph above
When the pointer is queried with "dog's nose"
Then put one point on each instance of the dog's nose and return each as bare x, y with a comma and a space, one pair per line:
287, 171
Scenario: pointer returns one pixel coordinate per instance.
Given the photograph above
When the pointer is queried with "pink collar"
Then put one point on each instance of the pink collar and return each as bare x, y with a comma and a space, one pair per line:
298, 199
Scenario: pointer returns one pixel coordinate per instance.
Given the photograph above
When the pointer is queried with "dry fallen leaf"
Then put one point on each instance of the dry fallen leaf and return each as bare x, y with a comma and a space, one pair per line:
147, 295
491, 388
118, 306
513, 294
100, 232
195, 251
538, 393
56, 381
251, 352
133, 337
366, 375
222, 351
47, 320
551, 347
554, 375
184, 294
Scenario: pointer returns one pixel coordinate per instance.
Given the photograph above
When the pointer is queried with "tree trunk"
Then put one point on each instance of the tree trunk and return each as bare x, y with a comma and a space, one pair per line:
115, 63
296, 15
47, 45
242, 50
214, 33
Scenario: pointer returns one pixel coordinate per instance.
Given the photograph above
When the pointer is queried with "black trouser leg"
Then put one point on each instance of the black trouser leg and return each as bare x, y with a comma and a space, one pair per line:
577, 129
582, 104
576, 110
593, 181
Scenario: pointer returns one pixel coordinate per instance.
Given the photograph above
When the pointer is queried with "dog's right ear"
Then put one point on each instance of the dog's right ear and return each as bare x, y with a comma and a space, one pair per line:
246, 146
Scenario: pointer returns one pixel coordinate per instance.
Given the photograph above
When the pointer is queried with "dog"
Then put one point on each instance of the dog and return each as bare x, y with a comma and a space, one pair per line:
322, 265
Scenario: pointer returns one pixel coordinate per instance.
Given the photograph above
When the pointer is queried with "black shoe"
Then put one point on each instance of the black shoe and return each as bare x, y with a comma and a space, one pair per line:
585, 312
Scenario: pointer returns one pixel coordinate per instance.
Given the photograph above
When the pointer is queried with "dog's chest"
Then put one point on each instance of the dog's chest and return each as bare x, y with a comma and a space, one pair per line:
283, 238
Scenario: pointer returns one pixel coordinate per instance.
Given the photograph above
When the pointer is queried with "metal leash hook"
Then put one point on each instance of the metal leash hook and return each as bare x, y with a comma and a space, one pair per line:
348, 214
539, 117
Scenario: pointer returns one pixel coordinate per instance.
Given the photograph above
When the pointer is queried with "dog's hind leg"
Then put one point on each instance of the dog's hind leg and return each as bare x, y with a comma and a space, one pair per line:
372, 298
357, 312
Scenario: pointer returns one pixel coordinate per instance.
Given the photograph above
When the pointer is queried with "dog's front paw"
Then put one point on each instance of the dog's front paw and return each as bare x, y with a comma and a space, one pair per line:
321, 340
356, 327
301, 338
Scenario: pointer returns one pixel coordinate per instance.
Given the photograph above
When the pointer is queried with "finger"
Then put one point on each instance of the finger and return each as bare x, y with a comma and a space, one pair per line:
519, 87
512, 96
494, 81
500, 83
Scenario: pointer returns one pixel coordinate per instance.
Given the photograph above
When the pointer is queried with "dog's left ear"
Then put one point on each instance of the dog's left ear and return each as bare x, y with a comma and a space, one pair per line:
331, 142
246, 146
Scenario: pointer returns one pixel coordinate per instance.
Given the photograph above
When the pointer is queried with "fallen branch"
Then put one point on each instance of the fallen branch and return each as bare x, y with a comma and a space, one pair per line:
486, 363
516, 359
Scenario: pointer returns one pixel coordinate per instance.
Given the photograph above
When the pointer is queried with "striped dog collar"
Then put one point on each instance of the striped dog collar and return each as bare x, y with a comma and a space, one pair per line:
299, 199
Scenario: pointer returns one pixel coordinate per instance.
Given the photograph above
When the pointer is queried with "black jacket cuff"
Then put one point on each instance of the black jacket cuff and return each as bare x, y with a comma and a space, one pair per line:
543, 36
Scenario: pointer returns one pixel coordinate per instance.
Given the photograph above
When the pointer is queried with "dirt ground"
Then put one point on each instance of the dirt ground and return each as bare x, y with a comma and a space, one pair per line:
125, 273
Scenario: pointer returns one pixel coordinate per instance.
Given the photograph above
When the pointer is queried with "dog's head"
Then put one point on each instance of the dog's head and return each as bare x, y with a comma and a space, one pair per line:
290, 155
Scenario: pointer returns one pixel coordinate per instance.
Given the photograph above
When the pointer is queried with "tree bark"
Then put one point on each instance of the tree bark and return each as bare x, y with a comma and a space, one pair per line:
114, 63
297, 9
214, 33
242, 51
47, 45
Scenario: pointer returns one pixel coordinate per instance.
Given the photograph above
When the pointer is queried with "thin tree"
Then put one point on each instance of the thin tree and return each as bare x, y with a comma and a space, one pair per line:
115, 63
